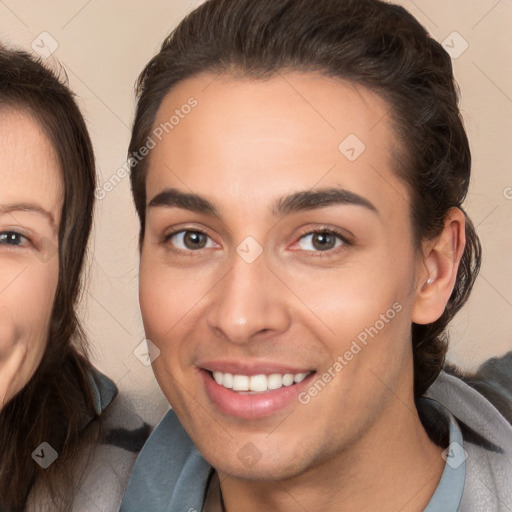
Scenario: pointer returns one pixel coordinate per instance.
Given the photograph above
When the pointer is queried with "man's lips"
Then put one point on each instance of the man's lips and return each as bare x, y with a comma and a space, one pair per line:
252, 391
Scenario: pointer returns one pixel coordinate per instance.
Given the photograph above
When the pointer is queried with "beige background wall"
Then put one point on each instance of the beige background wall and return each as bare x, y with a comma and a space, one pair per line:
103, 45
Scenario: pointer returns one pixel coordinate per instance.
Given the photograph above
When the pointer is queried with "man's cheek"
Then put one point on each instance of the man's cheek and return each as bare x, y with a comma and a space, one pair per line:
165, 302
178, 388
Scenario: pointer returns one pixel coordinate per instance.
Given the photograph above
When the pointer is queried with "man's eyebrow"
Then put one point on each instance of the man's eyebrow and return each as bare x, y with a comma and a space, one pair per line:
187, 201
310, 200
28, 207
299, 201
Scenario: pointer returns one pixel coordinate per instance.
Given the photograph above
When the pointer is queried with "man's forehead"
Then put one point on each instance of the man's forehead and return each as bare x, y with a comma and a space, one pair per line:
327, 133
310, 92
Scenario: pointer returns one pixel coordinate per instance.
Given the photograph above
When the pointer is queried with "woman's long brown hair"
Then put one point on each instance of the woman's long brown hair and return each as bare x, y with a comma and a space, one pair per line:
57, 402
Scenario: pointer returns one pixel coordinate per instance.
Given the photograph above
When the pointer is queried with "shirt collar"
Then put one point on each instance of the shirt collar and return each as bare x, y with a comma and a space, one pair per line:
448, 494
102, 388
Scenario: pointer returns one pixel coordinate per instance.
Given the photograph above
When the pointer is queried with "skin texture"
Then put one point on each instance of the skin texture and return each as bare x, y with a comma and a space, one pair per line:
31, 195
358, 444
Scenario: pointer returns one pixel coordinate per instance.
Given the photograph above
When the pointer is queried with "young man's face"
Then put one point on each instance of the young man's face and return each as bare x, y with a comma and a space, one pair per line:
279, 243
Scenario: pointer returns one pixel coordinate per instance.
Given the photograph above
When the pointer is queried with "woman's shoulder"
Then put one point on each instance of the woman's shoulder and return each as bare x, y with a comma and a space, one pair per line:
122, 434
112, 440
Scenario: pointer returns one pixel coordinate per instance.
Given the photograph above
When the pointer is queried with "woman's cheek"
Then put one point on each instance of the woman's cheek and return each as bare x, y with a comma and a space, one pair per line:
25, 313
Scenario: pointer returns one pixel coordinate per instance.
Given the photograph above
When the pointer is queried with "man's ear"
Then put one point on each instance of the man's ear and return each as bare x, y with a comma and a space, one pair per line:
437, 271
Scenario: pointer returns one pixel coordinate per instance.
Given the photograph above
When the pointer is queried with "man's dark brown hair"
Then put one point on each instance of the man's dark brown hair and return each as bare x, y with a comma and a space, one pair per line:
366, 42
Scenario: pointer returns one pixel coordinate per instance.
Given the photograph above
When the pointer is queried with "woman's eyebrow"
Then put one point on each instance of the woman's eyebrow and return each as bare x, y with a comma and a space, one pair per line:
28, 207
312, 199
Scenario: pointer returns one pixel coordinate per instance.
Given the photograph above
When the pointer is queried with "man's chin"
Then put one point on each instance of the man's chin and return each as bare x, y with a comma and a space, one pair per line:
252, 464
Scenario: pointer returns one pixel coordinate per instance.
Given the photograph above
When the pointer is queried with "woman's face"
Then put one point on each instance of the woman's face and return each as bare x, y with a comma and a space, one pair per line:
31, 198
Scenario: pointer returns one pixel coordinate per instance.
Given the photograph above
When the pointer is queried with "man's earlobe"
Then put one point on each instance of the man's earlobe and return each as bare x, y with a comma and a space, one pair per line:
437, 272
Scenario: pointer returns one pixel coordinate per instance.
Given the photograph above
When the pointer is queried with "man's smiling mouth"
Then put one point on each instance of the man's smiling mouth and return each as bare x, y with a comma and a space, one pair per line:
257, 383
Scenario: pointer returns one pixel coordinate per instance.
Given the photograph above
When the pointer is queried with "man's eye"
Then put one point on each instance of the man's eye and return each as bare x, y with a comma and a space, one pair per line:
320, 241
12, 238
187, 240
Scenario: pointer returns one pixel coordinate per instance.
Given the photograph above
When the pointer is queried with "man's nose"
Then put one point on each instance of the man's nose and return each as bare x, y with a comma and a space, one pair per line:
249, 301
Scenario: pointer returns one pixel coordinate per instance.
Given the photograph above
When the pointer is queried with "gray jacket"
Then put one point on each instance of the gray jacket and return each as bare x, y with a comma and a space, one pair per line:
487, 436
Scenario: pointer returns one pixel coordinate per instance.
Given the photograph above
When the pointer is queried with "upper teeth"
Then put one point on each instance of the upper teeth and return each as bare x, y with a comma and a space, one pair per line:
257, 382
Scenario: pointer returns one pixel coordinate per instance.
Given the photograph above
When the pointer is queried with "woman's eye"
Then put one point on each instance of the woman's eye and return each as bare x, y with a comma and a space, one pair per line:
187, 240
320, 241
12, 238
